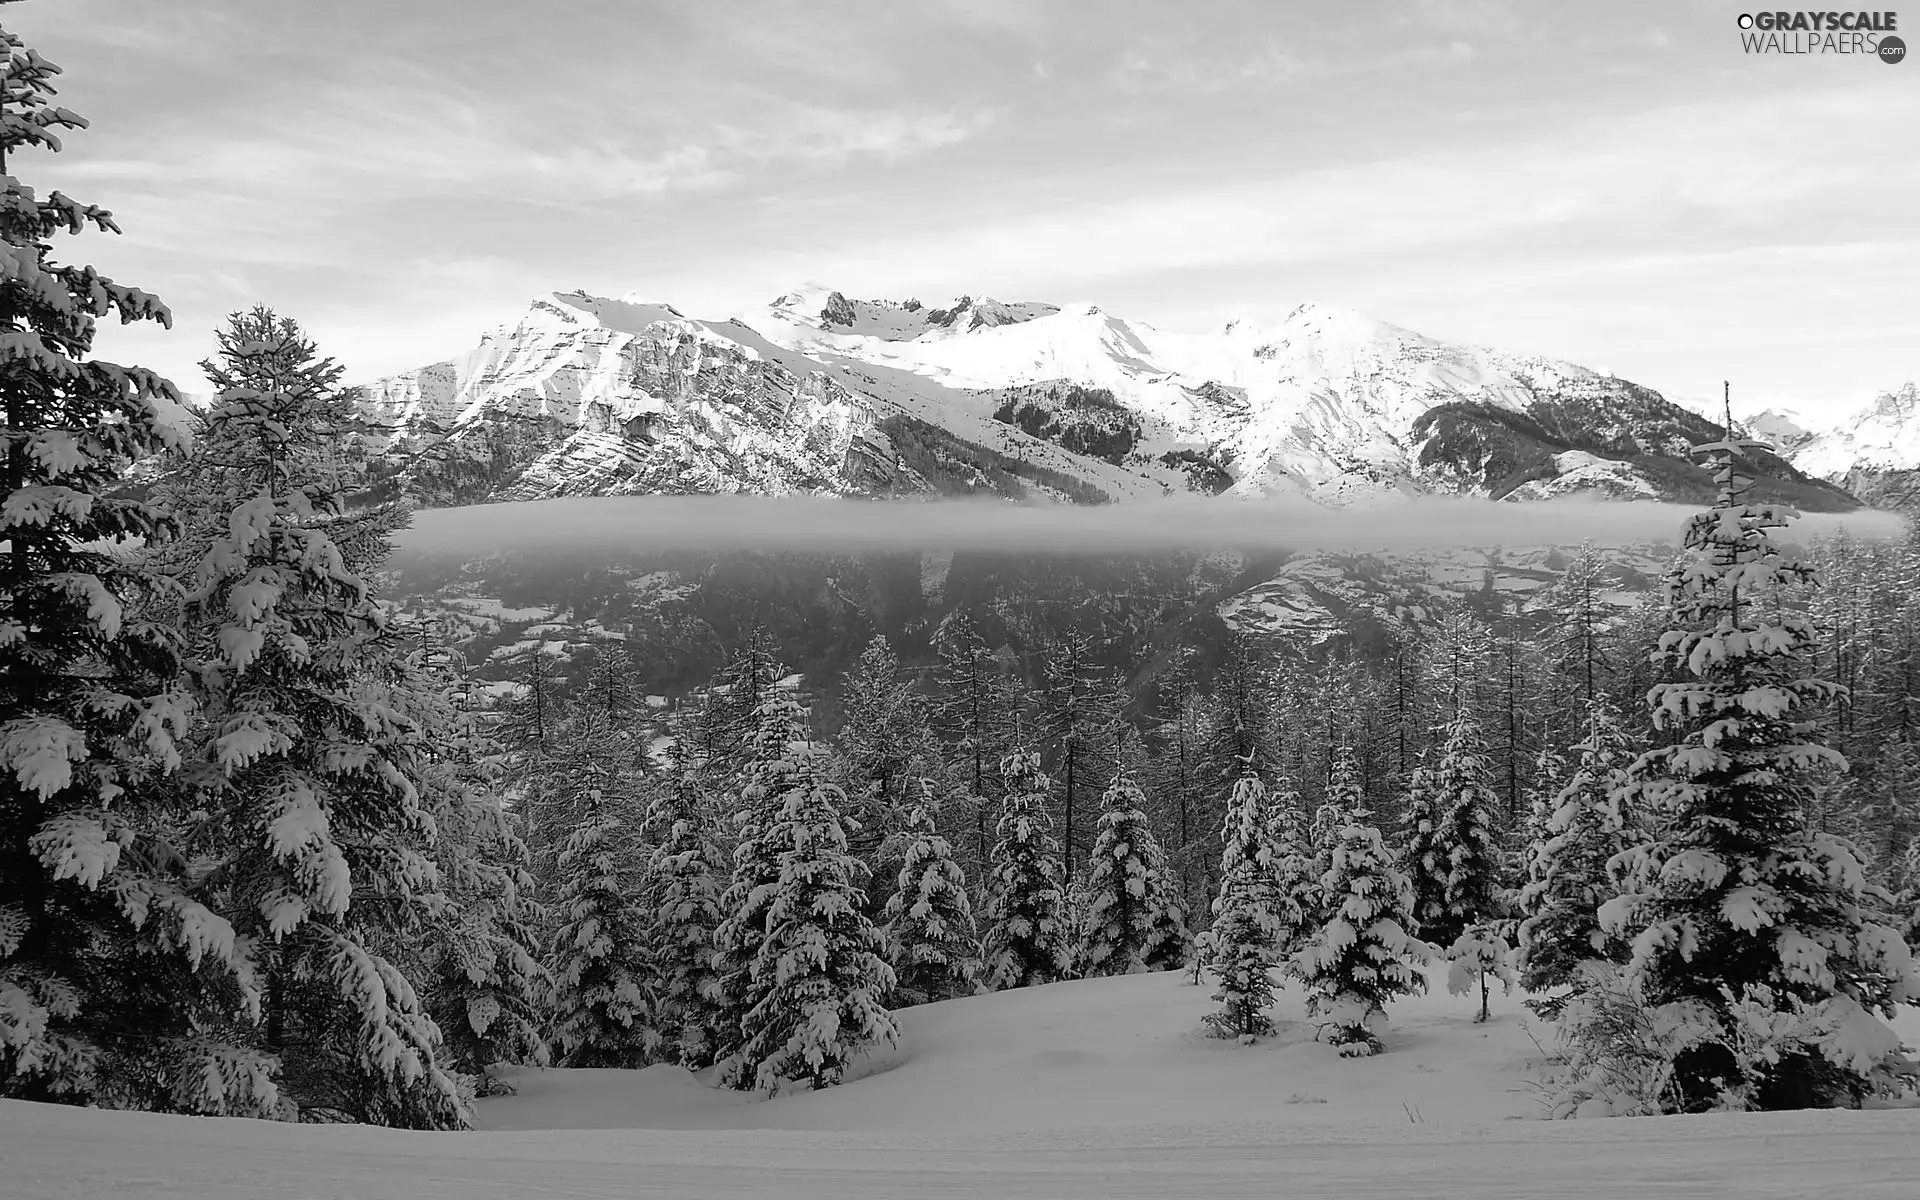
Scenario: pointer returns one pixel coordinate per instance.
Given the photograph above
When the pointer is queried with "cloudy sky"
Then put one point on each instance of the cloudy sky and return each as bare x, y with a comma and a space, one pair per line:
1618, 185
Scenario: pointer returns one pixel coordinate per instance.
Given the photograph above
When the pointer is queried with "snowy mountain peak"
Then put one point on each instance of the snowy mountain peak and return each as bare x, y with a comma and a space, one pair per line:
823, 392
1900, 404
1881, 437
827, 310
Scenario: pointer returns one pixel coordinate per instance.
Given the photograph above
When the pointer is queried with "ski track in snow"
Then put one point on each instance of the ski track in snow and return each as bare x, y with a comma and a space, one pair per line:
1096, 1088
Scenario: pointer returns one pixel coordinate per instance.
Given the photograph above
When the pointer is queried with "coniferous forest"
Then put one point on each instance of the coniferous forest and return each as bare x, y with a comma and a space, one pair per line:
267, 850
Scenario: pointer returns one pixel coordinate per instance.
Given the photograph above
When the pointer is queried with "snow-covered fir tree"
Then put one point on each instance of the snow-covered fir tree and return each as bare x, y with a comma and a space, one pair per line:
1363, 956
93, 875
479, 953
1468, 840
781, 762
315, 829
601, 1002
732, 714
1026, 939
1297, 902
1343, 798
1246, 933
817, 984
1578, 641
1344, 791
884, 744
683, 882
1132, 917
1567, 878
883, 748
1737, 901
931, 939
1423, 855
1480, 953
1550, 773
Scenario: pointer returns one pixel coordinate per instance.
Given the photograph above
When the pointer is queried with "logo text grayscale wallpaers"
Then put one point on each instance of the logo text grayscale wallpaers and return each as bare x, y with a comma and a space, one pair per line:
1796, 33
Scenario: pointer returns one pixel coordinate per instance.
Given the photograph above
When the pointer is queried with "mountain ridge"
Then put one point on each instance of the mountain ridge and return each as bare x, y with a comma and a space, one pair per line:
816, 393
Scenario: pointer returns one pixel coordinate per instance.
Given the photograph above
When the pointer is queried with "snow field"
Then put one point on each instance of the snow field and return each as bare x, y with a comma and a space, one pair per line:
1091, 1088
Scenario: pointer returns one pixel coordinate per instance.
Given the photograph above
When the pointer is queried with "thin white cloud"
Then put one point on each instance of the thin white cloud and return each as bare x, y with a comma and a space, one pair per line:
1644, 167
1466, 16
1159, 69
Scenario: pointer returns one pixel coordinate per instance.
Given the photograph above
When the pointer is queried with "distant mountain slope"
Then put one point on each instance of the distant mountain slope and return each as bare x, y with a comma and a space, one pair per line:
820, 394
1873, 452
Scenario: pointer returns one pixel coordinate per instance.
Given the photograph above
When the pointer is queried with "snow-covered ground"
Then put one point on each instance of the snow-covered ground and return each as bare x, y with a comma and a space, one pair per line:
1095, 1088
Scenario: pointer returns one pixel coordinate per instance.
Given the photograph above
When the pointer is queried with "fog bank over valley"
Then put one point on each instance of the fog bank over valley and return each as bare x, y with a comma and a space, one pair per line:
828, 525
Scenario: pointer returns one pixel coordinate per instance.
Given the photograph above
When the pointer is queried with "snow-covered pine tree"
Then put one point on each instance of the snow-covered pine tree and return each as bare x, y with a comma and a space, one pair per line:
883, 747
1344, 791
1245, 945
734, 711
1423, 854
581, 755
602, 1006
1577, 647
932, 942
532, 714
315, 828
1026, 940
817, 984
610, 693
1737, 901
485, 987
1567, 877
884, 742
1468, 841
1246, 836
1362, 957
1550, 773
478, 952
93, 876
1480, 951
780, 761
684, 888
1297, 901
1343, 798
1133, 919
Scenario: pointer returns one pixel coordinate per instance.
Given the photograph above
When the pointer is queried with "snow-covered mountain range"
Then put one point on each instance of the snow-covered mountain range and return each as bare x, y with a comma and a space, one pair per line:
818, 393
1873, 452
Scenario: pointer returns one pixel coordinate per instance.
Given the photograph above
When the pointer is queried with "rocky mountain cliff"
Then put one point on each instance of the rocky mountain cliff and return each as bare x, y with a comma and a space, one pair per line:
820, 394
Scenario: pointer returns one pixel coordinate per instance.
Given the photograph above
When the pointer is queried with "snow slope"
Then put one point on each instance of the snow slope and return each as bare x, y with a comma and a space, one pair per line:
1093, 1088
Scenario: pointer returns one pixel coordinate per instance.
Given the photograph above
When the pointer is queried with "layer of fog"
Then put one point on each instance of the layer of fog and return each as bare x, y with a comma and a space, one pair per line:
827, 525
